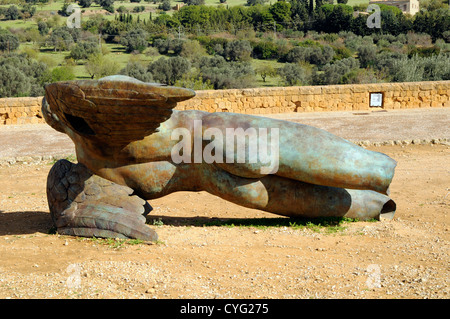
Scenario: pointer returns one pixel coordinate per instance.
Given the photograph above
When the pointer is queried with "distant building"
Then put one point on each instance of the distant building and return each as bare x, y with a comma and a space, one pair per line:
407, 6
178, 6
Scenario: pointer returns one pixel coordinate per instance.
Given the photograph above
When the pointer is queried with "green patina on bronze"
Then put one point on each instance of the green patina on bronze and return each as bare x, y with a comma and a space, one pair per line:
122, 129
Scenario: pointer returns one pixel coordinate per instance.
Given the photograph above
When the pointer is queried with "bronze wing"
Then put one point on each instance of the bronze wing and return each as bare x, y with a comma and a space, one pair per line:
83, 204
115, 108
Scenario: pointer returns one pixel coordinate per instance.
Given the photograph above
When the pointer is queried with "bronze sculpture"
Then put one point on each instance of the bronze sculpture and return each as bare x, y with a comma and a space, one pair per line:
127, 139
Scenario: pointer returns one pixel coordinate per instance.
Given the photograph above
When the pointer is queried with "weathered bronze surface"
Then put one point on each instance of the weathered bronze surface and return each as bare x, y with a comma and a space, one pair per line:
122, 129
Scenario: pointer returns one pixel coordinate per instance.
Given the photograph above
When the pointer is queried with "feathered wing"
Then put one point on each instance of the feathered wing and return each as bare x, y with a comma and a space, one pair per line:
83, 204
115, 109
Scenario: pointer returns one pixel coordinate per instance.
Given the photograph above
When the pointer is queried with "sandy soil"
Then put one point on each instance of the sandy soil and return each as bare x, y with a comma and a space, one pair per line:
406, 257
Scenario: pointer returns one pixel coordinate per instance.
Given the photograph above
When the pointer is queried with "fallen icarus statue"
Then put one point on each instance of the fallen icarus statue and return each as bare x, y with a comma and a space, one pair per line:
132, 146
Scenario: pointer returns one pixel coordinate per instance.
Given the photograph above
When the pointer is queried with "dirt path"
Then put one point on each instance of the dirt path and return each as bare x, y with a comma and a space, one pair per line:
407, 257
30, 142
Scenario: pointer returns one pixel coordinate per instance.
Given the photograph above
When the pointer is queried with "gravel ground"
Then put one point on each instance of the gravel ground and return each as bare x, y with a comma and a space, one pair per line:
407, 257
402, 258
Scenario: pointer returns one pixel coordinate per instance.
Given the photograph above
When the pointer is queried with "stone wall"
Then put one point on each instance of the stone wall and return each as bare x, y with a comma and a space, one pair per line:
21, 110
321, 98
355, 97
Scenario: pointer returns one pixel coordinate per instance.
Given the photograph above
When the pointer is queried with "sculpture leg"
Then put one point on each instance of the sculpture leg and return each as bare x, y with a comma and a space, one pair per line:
306, 154
271, 193
293, 198
83, 204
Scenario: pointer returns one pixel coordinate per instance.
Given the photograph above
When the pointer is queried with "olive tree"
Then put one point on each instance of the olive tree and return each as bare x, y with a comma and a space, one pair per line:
169, 70
98, 66
8, 42
135, 40
82, 50
137, 71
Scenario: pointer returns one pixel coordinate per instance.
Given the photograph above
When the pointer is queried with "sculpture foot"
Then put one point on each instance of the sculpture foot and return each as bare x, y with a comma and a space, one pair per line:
83, 204
388, 210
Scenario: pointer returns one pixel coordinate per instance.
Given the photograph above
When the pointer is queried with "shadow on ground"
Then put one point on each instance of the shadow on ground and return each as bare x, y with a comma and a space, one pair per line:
22, 223
30, 222
247, 222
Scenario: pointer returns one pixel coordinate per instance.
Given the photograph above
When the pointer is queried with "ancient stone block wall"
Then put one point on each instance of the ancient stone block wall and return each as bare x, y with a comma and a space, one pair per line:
321, 98
21, 110
355, 97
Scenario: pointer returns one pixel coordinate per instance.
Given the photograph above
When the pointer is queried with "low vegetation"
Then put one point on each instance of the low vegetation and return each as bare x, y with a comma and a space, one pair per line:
220, 45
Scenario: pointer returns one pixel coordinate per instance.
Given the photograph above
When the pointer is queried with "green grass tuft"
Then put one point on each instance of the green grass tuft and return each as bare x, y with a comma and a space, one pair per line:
326, 224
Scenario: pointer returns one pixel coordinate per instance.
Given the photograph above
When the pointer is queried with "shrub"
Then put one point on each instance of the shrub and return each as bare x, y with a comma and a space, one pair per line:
167, 20
82, 50
265, 50
108, 5
192, 49
226, 75
384, 61
138, 9
169, 70
335, 73
8, 42
360, 76
322, 57
366, 55
419, 39
60, 38
423, 51
255, 2
435, 22
280, 11
122, 9
98, 66
13, 82
165, 46
446, 36
135, 40
407, 70
63, 11
22, 76
294, 74
30, 52
297, 54
352, 42
213, 46
194, 81
237, 50
434, 68
28, 11
43, 28
63, 73
137, 71
85, 3
341, 52
265, 70
330, 37
311, 54
12, 13
165, 5
194, 2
